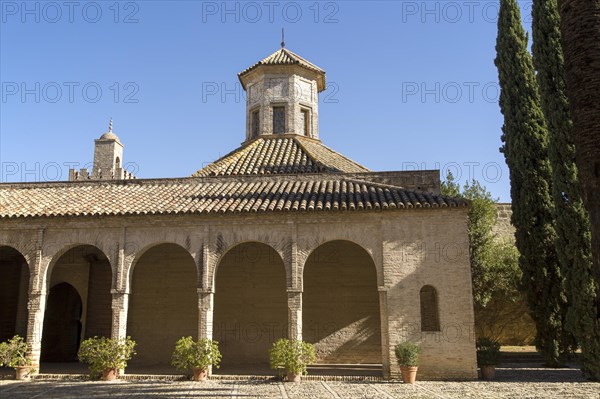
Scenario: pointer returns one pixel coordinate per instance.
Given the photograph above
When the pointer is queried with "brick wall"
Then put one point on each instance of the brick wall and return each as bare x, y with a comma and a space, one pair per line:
163, 304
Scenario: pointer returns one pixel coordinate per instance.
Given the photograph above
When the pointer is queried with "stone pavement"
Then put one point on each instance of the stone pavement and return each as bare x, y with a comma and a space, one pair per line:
510, 383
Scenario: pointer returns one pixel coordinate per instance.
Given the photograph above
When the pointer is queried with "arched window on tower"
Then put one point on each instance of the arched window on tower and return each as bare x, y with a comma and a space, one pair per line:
118, 163
430, 316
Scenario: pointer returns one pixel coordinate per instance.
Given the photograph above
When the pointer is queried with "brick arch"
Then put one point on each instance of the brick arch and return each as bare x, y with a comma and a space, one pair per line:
216, 261
138, 254
341, 309
14, 292
51, 259
89, 272
366, 248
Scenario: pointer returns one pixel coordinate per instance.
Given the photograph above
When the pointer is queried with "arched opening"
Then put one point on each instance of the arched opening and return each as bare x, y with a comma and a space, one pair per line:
163, 305
14, 292
430, 317
79, 303
62, 324
250, 310
341, 305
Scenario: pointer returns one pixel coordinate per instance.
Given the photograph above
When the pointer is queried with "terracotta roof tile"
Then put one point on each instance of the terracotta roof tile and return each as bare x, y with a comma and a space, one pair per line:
325, 192
285, 154
283, 56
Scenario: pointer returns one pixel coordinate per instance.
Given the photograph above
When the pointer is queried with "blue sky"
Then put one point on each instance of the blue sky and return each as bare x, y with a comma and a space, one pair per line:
412, 84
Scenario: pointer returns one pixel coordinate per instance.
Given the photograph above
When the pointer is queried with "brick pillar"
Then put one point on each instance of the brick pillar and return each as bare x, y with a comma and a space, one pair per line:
386, 345
206, 302
120, 308
35, 325
294, 314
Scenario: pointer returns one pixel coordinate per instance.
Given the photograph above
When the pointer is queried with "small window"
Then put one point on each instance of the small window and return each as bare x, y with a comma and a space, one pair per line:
305, 121
255, 124
278, 119
118, 163
430, 319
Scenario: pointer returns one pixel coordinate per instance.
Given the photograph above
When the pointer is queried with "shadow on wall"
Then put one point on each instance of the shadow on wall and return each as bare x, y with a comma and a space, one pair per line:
341, 313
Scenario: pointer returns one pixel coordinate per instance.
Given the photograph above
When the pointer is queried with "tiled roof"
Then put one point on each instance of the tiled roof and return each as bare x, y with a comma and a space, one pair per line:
283, 56
209, 195
290, 154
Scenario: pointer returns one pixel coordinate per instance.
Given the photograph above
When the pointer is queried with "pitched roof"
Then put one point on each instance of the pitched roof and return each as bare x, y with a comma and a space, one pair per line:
209, 195
281, 154
284, 56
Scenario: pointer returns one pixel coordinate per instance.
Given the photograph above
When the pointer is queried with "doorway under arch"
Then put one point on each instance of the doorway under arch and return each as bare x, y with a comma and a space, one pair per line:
62, 324
79, 302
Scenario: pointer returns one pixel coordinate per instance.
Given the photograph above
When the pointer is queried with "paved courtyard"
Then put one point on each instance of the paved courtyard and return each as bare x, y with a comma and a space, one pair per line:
511, 383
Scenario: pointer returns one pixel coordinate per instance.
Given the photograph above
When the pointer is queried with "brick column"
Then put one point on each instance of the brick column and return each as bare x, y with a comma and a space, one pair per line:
294, 314
205, 313
36, 304
35, 325
386, 349
120, 308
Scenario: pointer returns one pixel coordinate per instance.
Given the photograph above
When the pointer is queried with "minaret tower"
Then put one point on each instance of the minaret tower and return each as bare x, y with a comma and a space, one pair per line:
108, 154
282, 95
108, 160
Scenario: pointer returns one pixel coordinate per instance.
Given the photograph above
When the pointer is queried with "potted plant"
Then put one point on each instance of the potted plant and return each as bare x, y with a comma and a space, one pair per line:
106, 356
407, 356
13, 353
488, 357
293, 356
197, 356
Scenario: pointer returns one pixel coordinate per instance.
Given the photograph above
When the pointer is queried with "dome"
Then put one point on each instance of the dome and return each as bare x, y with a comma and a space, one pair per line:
109, 136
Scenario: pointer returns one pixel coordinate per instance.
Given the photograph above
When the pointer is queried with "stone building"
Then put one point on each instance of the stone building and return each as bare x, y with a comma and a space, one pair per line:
282, 237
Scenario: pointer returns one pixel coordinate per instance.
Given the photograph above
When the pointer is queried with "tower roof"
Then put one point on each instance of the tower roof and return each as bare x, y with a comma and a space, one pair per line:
110, 135
281, 154
284, 56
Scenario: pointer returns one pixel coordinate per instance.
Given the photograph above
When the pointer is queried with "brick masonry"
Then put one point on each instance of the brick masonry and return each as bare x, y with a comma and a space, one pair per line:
171, 290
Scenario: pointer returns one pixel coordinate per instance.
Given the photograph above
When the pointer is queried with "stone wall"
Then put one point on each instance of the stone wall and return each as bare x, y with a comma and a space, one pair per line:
503, 229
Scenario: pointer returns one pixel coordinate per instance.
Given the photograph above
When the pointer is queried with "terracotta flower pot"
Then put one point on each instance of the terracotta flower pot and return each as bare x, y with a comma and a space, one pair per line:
293, 377
200, 374
22, 373
109, 375
488, 372
409, 374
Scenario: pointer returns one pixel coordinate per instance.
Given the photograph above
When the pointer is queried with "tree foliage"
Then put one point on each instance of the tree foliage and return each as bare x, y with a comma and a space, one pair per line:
573, 241
494, 268
525, 149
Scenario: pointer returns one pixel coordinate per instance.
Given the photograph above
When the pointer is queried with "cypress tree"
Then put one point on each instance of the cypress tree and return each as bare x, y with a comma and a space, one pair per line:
573, 241
525, 148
